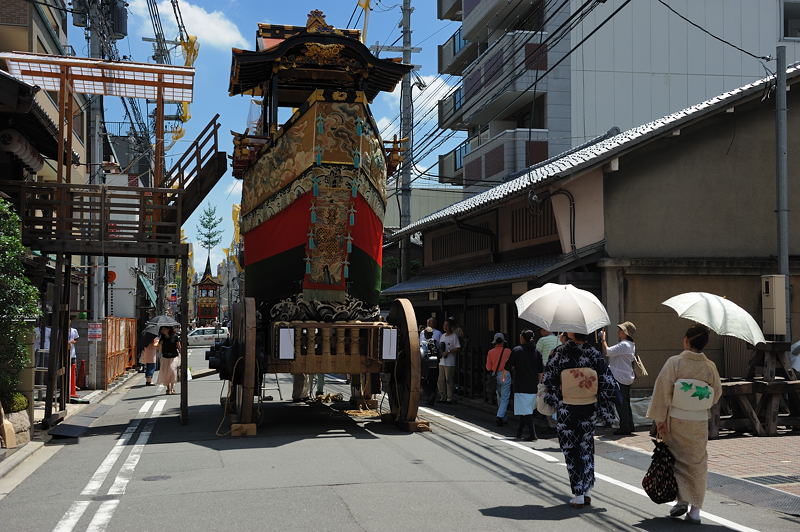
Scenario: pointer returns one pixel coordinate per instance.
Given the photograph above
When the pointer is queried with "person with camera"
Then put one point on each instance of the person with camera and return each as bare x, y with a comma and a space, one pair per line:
620, 361
429, 365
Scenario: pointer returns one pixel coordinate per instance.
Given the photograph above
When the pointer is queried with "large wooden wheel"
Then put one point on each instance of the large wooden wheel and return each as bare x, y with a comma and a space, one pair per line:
404, 373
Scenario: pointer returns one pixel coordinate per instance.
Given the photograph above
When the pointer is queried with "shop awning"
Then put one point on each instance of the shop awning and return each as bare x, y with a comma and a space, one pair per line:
148, 287
542, 268
485, 274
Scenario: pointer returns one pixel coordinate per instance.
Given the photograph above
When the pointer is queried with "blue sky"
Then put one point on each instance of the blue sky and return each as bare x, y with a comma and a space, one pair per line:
222, 24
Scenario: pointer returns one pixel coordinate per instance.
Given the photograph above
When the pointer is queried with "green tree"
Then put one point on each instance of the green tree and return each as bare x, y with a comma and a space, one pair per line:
207, 230
18, 302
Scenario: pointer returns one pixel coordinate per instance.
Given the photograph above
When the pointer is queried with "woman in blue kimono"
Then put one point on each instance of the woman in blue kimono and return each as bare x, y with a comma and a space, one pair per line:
580, 387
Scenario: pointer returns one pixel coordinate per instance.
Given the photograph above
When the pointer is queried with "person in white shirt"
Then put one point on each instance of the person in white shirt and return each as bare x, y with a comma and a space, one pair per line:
449, 347
620, 362
437, 334
73, 357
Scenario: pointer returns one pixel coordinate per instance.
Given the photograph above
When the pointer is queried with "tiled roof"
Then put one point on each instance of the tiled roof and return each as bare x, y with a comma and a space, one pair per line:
596, 153
528, 268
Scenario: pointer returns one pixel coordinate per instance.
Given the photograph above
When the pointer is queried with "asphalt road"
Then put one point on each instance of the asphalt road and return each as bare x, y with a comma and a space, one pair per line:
314, 468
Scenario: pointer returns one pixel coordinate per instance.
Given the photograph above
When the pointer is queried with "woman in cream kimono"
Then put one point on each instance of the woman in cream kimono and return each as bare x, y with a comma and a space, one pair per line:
686, 389
580, 386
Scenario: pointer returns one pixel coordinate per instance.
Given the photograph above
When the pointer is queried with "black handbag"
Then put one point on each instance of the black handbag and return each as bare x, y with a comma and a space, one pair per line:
659, 482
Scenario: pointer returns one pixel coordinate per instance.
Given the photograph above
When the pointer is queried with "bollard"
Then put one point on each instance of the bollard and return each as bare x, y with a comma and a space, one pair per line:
73, 392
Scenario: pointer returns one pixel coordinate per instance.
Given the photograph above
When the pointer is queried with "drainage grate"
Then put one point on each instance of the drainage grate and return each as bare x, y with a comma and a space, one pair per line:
769, 480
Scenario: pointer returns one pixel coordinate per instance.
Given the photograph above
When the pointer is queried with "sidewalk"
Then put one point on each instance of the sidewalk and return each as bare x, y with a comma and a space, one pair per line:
12, 458
773, 462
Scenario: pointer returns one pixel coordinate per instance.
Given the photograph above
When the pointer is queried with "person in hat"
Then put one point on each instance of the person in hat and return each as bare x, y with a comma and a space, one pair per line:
526, 363
496, 360
620, 362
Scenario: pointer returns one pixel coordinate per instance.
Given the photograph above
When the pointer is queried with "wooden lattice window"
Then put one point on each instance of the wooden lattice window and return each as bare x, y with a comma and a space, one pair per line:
459, 242
531, 225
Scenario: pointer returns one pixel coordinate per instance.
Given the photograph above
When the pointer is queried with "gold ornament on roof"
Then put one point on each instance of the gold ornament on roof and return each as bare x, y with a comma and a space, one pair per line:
324, 54
316, 23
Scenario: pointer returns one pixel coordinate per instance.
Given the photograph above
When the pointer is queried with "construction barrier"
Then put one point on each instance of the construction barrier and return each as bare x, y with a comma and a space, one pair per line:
119, 335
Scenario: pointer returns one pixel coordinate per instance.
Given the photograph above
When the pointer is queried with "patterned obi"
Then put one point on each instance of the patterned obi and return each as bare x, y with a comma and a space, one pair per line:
579, 386
691, 399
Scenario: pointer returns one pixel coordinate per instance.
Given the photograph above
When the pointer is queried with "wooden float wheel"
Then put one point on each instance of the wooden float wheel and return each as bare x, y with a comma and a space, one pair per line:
404, 372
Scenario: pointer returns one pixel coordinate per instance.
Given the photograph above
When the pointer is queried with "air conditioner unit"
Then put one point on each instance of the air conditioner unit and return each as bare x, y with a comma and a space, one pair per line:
773, 304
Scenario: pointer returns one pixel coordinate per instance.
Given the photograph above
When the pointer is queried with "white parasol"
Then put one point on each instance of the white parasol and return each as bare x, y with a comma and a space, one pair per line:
722, 316
562, 307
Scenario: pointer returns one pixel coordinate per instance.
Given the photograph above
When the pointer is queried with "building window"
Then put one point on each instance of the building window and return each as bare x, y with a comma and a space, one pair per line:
527, 225
791, 19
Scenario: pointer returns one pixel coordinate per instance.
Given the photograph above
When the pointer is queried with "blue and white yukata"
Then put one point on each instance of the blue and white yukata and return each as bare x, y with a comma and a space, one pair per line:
575, 423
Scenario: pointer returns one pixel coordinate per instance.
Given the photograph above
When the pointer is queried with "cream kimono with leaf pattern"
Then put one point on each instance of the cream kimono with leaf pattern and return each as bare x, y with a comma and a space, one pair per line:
687, 439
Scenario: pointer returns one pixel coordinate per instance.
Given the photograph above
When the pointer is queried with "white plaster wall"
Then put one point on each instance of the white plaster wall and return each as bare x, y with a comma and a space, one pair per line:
587, 189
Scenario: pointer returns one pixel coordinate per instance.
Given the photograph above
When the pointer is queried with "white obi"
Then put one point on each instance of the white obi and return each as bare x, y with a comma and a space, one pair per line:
691, 399
579, 386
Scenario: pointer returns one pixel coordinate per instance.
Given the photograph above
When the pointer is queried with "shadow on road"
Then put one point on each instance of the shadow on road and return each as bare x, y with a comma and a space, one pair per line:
667, 523
535, 512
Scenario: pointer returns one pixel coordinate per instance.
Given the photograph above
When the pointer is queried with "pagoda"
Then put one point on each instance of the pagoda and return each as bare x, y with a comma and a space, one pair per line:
207, 297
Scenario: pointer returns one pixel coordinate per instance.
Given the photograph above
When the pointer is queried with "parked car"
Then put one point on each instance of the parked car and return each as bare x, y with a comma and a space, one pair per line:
208, 335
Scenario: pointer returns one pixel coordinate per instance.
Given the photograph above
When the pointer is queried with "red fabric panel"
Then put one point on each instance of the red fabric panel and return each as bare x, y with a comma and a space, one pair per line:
284, 231
368, 231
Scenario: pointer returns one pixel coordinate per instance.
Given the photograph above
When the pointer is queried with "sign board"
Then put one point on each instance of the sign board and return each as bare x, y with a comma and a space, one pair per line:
172, 292
95, 333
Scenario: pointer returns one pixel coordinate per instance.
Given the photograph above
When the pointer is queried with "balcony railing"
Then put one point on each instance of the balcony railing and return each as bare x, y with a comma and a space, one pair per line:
456, 53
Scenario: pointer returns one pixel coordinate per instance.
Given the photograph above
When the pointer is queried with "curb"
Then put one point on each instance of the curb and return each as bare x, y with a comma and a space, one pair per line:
20, 455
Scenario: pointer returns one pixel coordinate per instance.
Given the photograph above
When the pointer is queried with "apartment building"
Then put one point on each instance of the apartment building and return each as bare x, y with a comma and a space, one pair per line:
644, 63
41, 27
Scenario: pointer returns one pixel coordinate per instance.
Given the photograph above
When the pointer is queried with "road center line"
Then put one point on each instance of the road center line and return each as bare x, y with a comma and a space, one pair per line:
126, 471
103, 516
496, 437
72, 516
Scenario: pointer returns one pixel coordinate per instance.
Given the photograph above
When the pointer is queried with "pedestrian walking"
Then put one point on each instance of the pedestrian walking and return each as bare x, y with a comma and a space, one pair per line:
525, 363
429, 351
546, 343
170, 348
319, 379
580, 387
496, 360
449, 347
149, 354
620, 362
685, 390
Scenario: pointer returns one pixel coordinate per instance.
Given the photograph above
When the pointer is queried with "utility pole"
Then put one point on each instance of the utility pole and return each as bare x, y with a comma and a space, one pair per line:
405, 133
96, 151
782, 175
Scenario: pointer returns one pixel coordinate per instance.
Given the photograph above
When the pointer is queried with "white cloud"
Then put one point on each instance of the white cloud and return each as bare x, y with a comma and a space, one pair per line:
388, 128
234, 188
212, 28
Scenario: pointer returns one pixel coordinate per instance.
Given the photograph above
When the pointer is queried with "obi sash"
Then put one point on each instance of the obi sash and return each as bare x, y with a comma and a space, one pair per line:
579, 386
691, 399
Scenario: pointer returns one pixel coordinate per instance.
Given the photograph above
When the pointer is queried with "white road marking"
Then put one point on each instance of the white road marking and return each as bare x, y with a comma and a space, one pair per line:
125, 473
711, 517
104, 513
96, 482
482, 432
103, 516
146, 406
72, 516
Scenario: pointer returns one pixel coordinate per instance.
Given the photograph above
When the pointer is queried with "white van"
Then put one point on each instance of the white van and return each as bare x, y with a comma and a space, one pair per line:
208, 335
